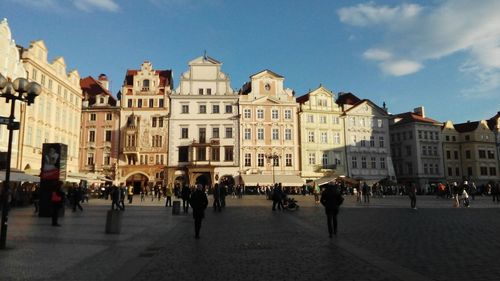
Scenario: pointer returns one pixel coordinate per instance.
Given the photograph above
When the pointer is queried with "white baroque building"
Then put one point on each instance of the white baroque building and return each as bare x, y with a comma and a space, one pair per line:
203, 127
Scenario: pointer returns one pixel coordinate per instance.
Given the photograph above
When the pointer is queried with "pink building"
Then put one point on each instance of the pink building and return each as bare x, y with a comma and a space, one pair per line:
99, 141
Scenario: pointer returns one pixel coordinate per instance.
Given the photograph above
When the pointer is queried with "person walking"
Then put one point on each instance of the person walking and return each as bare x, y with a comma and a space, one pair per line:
331, 199
123, 194
366, 193
168, 193
35, 197
57, 200
456, 191
495, 192
76, 197
277, 197
217, 195
412, 193
115, 198
199, 202
185, 195
130, 193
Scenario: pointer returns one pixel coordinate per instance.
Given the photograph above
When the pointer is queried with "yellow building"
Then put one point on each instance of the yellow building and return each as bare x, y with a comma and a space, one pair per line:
321, 135
269, 132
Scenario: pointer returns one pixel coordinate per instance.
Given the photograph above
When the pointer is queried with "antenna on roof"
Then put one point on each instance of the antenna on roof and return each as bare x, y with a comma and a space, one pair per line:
205, 54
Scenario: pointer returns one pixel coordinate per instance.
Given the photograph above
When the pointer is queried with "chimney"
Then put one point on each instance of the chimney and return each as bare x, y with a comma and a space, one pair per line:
420, 111
103, 80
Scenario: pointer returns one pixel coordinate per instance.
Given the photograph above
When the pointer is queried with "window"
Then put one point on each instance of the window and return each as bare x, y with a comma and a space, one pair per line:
107, 136
274, 114
484, 171
276, 134
139, 103
184, 133
491, 154
454, 138
157, 141
336, 138
215, 133
324, 137
202, 134
216, 153
260, 134
324, 160
288, 160
467, 137
310, 118
203, 108
467, 154
93, 116
129, 103
229, 108
228, 153
50, 84
408, 150
426, 168
363, 162
455, 154
482, 153
493, 171
161, 103
382, 162
107, 159
260, 113
248, 159
373, 163
288, 114
151, 103
200, 91
354, 140
160, 122
90, 159
381, 141
450, 171
248, 134
447, 138
448, 154
363, 142
247, 113
322, 119
109, 116
288, 134
91, 136
380, 123
229, 132
260, 160
354, 162
410, 135
312, 158
372, 141
209, 91
276, 161
145, 85
469, 171
201, 153
352, 121
457, 171
185, 108
154, 122
215, 108
310, 137
34, 74
335, 120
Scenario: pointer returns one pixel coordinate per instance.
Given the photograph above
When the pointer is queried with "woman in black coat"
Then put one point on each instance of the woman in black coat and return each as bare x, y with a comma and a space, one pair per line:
199, 203
331, 199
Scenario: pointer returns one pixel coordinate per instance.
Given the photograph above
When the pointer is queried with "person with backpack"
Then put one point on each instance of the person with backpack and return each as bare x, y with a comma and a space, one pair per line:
331, 199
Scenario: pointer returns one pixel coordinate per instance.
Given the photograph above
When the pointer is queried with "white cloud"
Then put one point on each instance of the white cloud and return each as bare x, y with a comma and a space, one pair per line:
415, 34
367, 14
40, 4
400, 67
88, 5
377, 54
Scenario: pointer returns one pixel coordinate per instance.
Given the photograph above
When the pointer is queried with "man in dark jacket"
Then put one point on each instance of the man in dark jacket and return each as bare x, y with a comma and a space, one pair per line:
185, 192
199, 203
331, 199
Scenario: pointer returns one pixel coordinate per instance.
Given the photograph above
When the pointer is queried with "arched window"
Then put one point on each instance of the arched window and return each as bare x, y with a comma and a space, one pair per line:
145, 84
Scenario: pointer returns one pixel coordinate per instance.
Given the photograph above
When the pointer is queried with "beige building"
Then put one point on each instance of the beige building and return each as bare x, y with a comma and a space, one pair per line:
100, 128
203, 127
55, 115
478, 152
367, 145
269, 132
144, 110
11, 68
494, 125
322, 146
452, 156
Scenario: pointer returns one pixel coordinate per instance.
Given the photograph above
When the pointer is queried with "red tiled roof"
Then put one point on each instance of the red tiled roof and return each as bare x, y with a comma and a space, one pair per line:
411, 117
466, 127
165, 77
347, 98
92, 88
245, 89
303, 98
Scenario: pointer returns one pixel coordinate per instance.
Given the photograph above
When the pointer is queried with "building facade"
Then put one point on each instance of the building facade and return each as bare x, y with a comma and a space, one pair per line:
452, 156
144, 111
478, 152
366, 134
11, 68
416, 148
321, 132
204, 127
269, 132
100, 128
55, 115
494, 125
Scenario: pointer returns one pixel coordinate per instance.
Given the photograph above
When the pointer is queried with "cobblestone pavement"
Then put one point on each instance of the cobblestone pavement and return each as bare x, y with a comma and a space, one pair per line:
382, 240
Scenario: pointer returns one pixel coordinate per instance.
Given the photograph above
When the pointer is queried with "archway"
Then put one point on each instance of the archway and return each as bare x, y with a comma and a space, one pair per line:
138, 182
204, 180
227, 181
180, 181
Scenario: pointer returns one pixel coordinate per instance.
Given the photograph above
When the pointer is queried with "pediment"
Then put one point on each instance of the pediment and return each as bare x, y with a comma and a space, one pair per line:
266, 100
266, 73
366, 107
205, 60
321, 91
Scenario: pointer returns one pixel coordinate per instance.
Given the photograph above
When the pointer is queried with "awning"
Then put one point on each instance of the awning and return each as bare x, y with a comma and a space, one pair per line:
285, 180
19, 177
322, 181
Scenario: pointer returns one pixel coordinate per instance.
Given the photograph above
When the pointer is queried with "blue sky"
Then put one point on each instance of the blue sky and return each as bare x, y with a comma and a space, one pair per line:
443, 55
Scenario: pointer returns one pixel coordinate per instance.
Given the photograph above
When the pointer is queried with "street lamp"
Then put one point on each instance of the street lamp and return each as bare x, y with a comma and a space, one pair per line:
22, 90
272, 157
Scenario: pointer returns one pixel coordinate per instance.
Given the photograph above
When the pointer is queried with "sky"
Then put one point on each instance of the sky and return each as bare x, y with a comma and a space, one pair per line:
440, 54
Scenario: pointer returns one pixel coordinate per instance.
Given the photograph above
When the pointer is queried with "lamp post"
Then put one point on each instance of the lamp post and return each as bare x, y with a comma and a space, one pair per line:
22, 90
272, 157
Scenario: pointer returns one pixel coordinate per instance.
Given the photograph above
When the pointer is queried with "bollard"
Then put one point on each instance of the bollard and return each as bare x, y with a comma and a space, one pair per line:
113, 222
176, 207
